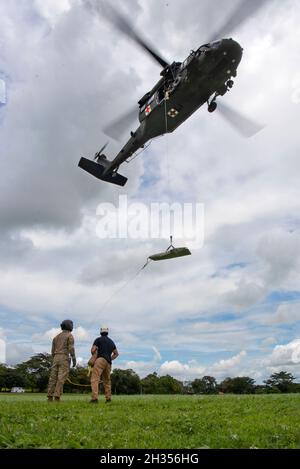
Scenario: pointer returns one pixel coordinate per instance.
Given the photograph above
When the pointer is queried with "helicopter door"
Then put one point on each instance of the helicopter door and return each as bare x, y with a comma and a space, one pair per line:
160, 95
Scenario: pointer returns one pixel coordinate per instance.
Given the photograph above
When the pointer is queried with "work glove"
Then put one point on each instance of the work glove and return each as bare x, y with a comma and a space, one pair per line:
74, 362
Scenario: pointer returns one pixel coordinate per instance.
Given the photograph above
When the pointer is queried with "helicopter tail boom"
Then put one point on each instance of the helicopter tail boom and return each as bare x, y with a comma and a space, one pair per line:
97, 170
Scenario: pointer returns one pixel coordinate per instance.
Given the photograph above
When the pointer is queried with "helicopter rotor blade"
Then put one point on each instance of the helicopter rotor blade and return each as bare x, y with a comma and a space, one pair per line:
123, 25
116, 128
244, 10
243, 125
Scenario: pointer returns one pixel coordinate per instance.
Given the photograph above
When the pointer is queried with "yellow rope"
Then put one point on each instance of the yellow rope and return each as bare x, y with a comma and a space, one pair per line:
82, 385
77, 384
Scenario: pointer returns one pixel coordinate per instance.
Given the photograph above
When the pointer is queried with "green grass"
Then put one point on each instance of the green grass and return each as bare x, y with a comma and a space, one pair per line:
262, 421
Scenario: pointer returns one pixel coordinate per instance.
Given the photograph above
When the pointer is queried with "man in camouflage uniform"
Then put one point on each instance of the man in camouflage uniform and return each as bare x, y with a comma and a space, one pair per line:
62, 350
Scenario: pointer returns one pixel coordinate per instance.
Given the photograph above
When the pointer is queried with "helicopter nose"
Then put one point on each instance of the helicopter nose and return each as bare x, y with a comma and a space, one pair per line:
231, 49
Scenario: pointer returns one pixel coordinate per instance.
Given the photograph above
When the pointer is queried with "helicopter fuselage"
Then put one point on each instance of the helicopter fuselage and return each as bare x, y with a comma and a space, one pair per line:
183, 88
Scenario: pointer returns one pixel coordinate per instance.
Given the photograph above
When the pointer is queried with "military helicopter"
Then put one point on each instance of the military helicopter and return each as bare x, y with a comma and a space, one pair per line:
205, 75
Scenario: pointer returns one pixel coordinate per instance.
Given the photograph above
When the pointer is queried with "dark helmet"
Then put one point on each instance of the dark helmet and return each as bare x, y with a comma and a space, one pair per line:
67, 325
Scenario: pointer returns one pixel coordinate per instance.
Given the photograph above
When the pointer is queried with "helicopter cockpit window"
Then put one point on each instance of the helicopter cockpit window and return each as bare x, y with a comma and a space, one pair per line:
187, 60
184, 64
204, 49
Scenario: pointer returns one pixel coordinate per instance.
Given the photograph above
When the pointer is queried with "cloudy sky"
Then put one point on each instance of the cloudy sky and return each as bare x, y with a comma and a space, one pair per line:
233, 307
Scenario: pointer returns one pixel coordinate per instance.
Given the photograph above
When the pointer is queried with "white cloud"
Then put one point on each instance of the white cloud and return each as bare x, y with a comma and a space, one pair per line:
282, 355
226, 366
269, 341
80, 334
45, 239
81, 361
286, 314
280, 253
18, 353
245, 294
48, 335
53, 9
2, 91
143, 367
181, 370
2, 350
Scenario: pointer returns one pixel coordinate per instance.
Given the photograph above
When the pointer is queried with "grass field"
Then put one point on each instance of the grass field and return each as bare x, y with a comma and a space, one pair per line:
262, 421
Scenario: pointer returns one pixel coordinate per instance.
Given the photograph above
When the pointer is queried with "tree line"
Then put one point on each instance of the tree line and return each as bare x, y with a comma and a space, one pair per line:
32, 375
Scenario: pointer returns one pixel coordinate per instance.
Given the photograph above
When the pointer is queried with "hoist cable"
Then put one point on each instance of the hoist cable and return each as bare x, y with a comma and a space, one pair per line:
124, 285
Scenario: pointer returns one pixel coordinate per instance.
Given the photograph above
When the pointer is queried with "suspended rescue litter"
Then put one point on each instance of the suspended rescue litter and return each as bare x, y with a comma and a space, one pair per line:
170, 253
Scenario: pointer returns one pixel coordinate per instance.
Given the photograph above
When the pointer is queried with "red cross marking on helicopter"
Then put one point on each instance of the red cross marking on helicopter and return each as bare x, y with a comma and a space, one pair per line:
148, 110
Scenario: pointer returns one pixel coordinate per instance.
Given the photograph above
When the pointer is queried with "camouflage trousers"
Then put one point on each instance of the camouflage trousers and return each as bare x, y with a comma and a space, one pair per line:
58, 375
101, 369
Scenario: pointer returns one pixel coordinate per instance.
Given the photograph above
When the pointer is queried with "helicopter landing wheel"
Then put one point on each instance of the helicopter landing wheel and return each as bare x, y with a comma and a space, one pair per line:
212, 106
230, 83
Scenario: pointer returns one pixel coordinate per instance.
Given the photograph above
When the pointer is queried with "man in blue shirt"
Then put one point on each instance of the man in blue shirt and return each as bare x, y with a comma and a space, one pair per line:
106, 352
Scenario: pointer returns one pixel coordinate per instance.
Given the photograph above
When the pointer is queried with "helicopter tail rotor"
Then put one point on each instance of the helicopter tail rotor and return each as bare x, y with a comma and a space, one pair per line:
99, 155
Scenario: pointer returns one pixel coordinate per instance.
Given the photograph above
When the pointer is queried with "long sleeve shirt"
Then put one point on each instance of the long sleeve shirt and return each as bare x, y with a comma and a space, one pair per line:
63, 344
